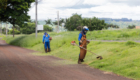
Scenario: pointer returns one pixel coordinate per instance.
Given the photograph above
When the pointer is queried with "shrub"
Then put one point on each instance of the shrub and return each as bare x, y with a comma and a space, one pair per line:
123, 35
131, 26
131, 43
48, 28
15, 31
28, 29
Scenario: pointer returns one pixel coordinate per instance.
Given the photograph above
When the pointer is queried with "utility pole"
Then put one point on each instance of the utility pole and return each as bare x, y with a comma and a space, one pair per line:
36, 17
58, 22
1, 28
6, 29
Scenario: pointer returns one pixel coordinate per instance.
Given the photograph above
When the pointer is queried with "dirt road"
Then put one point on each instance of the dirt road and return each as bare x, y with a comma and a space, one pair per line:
17, 63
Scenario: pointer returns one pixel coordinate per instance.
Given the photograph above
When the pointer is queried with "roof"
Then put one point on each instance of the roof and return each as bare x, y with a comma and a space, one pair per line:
137, 27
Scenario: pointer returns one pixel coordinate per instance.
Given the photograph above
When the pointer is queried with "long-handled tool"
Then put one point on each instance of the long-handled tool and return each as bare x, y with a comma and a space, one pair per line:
98, 57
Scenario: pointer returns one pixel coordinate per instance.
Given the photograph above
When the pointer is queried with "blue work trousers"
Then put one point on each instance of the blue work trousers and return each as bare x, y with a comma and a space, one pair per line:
47, 45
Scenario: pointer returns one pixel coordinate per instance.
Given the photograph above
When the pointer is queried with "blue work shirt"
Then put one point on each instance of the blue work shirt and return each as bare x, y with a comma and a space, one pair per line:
46, 39
80, 35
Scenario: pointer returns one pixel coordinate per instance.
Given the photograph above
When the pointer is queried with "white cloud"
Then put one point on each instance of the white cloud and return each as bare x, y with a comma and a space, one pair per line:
106, 8
95, 2
117, 11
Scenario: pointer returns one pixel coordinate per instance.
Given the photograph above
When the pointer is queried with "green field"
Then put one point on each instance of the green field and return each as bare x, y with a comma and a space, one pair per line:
121, 58
1, 35
123, 24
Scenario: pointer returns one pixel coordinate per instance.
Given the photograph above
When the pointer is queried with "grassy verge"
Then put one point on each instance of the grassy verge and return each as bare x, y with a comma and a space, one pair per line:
119, 57
124, 34
2, 36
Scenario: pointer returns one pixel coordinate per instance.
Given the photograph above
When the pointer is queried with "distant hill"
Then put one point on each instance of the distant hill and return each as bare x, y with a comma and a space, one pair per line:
117, 20
122, 23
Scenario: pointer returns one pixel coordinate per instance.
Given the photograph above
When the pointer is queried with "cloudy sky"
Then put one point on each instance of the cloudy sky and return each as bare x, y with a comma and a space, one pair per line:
88, 8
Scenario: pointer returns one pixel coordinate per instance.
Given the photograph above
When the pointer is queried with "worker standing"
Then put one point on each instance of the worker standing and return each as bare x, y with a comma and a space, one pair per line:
46, 41
83, 44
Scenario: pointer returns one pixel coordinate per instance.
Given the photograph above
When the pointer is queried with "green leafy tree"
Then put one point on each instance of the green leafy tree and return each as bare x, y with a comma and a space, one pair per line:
3, 5
73, 22
4, 30
28, 28
16, 12
61, 21
112, 26
48, 21
48, 28
77, 22
55, 22
131, 26
96, 24
11, 31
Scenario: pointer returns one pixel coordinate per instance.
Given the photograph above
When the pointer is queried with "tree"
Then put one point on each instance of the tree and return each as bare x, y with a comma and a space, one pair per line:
11, 31
16, 12
55, 22
28, 28
49, 21
61, 21
77, 22
3, 5
48, 28
112, 26
131, 26
73, 22
96, 24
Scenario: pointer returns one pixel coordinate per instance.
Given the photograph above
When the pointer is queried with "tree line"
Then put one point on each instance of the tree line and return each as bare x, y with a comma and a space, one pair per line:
27, 28
76, 22
15, 13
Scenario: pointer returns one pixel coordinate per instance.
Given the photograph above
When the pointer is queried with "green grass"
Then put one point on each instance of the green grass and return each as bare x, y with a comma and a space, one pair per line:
124, 34
119, 57
2, 36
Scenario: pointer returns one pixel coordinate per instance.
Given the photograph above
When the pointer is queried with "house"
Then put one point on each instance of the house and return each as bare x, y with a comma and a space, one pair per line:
137, 27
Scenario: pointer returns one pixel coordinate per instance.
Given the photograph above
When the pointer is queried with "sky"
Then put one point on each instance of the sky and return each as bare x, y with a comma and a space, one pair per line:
47, 9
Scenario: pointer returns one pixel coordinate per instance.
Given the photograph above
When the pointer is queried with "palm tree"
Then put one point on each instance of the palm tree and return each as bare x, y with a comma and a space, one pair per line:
49, 21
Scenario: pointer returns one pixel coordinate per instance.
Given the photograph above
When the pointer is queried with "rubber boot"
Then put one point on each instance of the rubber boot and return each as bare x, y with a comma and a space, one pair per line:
49, 50
82, 60
79, 61
46, 50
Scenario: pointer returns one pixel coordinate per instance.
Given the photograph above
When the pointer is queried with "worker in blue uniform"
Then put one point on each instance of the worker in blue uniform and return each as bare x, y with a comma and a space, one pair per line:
46, 41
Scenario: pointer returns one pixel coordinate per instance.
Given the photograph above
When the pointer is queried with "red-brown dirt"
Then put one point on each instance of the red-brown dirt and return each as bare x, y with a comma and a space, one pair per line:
18, 63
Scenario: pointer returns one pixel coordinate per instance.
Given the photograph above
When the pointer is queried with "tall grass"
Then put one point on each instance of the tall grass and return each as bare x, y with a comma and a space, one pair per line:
2, 36
119, 57
124, 34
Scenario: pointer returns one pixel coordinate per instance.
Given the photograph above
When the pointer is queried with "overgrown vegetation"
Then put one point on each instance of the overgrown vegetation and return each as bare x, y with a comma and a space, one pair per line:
119, 57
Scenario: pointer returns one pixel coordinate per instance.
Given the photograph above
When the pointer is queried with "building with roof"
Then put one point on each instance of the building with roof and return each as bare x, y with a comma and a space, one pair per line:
137, 27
